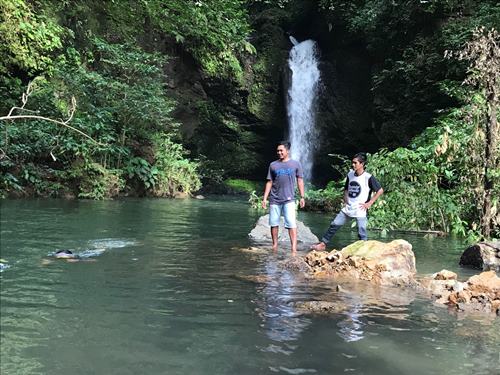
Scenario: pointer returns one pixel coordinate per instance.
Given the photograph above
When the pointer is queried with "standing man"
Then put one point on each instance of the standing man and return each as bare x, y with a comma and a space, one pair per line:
359, 185
280, 188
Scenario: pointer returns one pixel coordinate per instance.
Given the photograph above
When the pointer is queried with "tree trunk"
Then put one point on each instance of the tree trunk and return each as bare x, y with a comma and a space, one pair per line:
491, 163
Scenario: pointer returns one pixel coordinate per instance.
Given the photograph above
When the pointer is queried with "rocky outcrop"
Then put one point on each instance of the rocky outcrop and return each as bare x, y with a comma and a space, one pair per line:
483, 255
384, 266
261, 234
381, 263
481, 293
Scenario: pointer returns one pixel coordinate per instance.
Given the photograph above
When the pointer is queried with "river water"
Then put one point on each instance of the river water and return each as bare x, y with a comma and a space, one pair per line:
163, 287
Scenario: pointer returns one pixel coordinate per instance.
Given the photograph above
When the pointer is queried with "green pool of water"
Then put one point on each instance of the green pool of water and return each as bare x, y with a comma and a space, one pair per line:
172, 294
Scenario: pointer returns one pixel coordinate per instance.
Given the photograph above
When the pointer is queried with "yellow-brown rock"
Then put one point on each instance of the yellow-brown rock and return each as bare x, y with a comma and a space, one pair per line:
481, 293
382, 263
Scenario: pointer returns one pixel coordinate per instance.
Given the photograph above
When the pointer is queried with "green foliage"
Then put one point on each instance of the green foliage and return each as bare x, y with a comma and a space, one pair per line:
441, 180
91, 50
413, 197
174, 172
97, 182
328, 199
255, 200
214, 31
406, 41
121, 103
8, 182
140, 169
27, 39
236, 185
436, 183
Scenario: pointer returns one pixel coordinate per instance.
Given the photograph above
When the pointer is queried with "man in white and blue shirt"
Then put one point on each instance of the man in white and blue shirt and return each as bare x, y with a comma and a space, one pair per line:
357, 200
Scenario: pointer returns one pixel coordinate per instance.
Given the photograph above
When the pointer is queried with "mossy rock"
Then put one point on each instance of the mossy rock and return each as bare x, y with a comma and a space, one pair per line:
373, 249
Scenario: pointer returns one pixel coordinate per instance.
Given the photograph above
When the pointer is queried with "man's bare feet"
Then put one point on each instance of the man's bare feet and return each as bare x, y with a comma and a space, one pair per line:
275, 247
320, 246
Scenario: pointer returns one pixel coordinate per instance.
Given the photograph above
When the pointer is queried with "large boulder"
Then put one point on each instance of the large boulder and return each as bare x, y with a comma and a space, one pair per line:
381, 263
483, 255
481, 293
261, 234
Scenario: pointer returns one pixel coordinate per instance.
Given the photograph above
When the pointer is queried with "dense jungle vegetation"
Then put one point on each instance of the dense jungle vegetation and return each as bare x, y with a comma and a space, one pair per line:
101, 99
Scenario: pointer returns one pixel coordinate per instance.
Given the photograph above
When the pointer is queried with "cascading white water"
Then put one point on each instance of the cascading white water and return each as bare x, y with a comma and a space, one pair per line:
301, 99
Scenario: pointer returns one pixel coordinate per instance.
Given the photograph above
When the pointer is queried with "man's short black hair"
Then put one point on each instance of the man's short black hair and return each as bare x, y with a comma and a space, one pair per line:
361, 156
284, 143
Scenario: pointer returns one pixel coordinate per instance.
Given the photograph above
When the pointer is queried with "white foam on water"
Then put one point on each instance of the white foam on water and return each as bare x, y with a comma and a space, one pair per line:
4, 266
111, 243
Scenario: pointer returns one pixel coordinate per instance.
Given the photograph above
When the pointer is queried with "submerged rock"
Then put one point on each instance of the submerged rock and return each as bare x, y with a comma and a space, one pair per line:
297, 264
483, 255
381, 263
444, 275
321, 307
257, 279
261, 234
481, 293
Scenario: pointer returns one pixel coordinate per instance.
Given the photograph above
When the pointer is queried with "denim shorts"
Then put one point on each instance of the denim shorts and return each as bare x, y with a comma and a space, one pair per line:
285, 209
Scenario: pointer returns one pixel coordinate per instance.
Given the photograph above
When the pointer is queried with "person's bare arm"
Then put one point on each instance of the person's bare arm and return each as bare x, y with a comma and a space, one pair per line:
300, 184
368, 204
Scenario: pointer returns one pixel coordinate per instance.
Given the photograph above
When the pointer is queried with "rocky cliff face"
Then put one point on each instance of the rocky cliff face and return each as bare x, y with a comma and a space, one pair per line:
234, 124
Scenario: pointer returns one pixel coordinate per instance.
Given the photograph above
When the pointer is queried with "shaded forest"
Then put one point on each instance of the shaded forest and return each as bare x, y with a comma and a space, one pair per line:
164, 98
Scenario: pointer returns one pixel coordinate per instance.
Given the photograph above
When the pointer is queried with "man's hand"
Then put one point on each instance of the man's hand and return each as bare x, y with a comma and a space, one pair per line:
365, 206
264, 204
302, 202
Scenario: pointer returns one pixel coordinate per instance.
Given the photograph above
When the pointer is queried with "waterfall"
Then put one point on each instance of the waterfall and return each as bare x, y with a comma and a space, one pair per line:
301, 99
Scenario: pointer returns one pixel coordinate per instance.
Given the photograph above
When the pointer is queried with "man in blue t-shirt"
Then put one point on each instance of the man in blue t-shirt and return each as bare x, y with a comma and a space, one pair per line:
358, 187
280, 188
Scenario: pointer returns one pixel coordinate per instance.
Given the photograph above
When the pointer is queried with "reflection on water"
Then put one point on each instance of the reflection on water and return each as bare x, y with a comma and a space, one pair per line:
163, 298
351, 328
281, 322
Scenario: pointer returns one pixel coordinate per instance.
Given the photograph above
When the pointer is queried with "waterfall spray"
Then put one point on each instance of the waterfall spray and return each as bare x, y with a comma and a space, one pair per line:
301, 99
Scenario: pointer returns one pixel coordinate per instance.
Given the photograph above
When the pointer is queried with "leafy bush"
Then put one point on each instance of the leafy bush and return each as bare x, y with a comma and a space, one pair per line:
174, 172
140, 169
97, 182
27, 39
413, 197
328, 199
122, 105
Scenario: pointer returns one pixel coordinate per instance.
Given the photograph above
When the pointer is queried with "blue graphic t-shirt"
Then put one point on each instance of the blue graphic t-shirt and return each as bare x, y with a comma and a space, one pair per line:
283, 175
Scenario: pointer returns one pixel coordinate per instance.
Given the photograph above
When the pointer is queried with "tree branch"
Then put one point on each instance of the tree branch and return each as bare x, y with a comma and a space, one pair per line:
29, 90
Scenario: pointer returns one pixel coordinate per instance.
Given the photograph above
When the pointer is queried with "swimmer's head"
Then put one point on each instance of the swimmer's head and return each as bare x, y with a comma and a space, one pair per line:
64, 254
